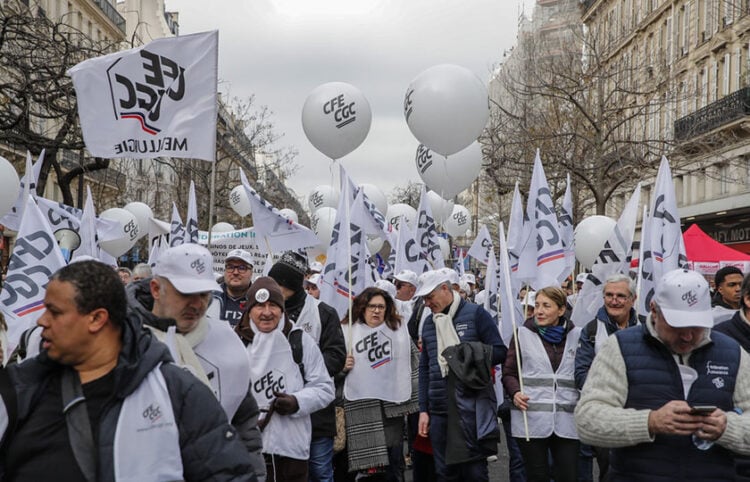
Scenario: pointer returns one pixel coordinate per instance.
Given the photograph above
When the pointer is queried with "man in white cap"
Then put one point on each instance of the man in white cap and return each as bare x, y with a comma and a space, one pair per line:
312, 286
173, 305
667, 396
238, 274
454, 321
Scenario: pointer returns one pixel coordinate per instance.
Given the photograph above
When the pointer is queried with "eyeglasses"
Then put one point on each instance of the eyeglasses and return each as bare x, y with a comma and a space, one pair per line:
376, 307
616, 296
242, 268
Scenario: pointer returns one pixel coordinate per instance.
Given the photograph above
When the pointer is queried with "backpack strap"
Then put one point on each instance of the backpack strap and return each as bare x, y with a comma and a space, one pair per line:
295, 341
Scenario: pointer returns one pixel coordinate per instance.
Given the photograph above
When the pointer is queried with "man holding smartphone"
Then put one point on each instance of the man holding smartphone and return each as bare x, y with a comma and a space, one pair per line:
666, 396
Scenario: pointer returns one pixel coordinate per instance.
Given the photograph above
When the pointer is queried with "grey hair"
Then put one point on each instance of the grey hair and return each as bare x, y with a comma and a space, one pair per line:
619, 278
142, 270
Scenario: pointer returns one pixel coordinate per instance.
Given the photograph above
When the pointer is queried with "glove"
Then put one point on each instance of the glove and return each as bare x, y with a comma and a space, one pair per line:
285, 404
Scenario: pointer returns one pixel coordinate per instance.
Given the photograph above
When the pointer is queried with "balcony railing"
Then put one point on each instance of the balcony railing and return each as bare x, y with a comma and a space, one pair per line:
111, 12
716, 114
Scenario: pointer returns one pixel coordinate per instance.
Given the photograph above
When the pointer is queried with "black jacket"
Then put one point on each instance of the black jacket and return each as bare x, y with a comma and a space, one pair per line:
333, 348
210, 447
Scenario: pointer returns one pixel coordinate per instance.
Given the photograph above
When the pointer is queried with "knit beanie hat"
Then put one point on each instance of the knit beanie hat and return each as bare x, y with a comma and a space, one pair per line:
289, 271
264, 289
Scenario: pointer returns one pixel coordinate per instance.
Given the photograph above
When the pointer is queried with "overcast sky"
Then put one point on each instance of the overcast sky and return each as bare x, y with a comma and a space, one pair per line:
280, 50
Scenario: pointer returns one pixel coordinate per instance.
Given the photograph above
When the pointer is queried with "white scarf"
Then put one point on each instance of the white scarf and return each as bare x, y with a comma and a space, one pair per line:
181, 347
309, 318
147, 441
382, 364
272, 366
446, 332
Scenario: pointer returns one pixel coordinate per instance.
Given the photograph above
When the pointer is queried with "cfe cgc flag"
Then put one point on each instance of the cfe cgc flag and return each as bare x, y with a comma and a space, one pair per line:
156, 100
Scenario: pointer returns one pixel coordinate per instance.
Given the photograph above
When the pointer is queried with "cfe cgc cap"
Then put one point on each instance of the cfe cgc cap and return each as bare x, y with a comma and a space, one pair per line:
684, 299
241, 255
188, 267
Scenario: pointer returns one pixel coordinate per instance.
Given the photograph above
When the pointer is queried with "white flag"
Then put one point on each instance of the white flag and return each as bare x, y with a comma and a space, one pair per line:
279, 232
407, 250
482, 247
426, 236
567, 231
519, 233
12, 219
511, 311
461, 268
544, 248
345, 275
87, 231
35, 258
374, 223
177, 229
191, 228
614, 258
665, 249
159, 99
158, 245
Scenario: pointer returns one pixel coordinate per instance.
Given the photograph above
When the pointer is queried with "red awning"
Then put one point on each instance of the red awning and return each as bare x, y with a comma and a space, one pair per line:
699, 246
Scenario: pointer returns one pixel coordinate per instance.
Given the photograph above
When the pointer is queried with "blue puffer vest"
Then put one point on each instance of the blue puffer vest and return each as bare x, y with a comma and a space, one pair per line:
653, 380
466, 330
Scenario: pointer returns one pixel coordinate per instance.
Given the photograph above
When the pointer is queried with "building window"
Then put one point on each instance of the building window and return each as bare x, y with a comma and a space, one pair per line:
724, 179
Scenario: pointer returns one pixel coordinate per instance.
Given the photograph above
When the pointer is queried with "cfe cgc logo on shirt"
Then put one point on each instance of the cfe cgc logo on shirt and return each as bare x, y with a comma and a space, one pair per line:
152, 413
272, 381
378, 346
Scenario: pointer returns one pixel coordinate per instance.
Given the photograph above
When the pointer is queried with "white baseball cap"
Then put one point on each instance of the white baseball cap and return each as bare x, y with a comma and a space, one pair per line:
452, 275
387, 286
581, 277
529, 299
430, 280
188, 267
241, 255
684, 299
314, 280
407, 276
480, 297
316, 267
469, 278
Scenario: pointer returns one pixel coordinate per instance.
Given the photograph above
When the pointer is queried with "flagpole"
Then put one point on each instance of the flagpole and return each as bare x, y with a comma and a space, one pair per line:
639, 278
211, 200
349, 264
511, 296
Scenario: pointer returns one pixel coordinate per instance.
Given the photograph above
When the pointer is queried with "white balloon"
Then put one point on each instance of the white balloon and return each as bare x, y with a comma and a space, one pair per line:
222, 227
590, 235
323, 197
441, 209
10, 186
374, 244
336, 118
449, 176
396, 210
445, 247
376, 196
128, 236
458, 222
239, 202
289, 214
446, 108
142, 213
322, 224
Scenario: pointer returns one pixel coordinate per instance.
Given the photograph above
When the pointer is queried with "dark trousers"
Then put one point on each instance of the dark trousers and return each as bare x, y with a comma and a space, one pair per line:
468, 471
285, 469
536, 458
422, 464
516, 470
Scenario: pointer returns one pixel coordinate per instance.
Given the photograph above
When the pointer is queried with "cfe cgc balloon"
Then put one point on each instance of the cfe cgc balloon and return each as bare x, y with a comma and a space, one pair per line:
336, 118
10, 186
322, 197
128, 236
239, 202
446, 108
322, 224
289, 214
397, 210
222, 227
142, 213
589, 238
374, 244
449, 176
376, 196
458, 222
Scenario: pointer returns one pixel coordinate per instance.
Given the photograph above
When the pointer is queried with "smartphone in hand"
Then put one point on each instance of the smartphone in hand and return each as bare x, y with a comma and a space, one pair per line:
702, 409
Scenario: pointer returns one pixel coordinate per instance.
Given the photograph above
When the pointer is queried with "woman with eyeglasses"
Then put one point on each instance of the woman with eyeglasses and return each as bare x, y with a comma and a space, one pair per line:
547, 343
380, 387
